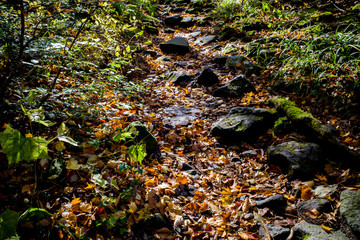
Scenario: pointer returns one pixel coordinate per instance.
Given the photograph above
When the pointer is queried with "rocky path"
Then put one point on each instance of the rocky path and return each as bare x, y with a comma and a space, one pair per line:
222, 174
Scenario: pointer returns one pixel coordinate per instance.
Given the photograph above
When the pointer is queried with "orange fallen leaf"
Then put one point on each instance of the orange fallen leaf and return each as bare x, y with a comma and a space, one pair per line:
76, 201
182, 179
326, 228
306, 193
151, 182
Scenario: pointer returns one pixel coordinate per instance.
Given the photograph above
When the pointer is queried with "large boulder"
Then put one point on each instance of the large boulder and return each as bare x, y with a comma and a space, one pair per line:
297, 159
243, 124
207, 77
307, 231
177, 45
235, 88
350, 210
234, 61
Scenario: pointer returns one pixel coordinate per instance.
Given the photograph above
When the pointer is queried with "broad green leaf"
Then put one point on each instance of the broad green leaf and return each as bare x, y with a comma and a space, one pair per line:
62, 132
98, 180
37, 115
38, 213
18, 148
122, 136
73, 165
114, 184
8, 223
137, 152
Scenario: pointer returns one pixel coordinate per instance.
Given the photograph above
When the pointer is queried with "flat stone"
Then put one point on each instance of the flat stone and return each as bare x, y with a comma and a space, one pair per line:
177, 45
249, 154
207, 39
169, 30
182, 116
319, 204
323, 191
309, 231
230, 48
193, 34
297, 159
273, 202
350, 209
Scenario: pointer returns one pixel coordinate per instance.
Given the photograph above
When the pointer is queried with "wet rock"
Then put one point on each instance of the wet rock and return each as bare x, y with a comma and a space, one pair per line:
234, 61
187, 22
350, 210
181, 78
173, 20
298, 160
276, 232
182, 116
251, 68
202, 41
164, 59
274, 202
177, 45
243, 124
319, 204
228, 33
143, 134
207, 77
309, 231
235, 88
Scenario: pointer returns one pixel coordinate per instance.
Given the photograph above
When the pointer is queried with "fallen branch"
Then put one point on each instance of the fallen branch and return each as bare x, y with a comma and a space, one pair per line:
322, 132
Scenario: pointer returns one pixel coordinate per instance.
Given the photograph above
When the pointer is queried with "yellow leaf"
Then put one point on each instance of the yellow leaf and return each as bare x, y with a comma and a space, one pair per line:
144, 214
306, 193
226, 191
60, 146
28, 135
326, 228
76, 201
150, 182
89, 186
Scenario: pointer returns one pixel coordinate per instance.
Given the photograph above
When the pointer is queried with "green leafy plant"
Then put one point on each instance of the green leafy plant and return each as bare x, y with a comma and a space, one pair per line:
8, 224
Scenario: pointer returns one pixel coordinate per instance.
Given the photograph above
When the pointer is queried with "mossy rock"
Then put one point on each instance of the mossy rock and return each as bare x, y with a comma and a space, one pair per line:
243, 124
350, 210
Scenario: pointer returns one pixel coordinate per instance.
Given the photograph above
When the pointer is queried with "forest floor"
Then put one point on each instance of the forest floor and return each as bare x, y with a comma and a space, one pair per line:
193, 186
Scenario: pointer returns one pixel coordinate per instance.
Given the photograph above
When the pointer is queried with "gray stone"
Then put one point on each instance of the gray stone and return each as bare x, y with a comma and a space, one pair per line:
164, 59
182, 116
243, 124
274, 202
276, 232
249, 154
350, 209
319, 204
177, 45
251, 68
234, 61
193, 34
204, 40
143, 135
307, 231
230, 48
220, 60
298, 160
173, 20
235, 88
187, 22
207, 77
181, 78
151, 29
325, 190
